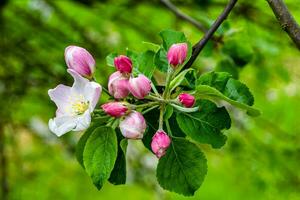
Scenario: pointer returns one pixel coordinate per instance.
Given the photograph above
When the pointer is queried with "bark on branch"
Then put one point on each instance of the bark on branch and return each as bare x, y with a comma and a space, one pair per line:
286, 20
184, 16
209, 34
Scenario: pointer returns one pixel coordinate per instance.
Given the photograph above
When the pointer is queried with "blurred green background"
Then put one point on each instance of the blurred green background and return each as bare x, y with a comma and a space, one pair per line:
261, 158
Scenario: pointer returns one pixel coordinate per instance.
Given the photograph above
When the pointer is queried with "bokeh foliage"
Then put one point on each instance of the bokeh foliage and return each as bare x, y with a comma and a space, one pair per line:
262, 156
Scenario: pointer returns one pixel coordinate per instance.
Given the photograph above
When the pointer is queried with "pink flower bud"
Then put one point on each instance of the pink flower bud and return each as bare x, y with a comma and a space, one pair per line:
115, 109
123, 64
160, 143
118, 85
177, 54
187, 100
80, 60
139, 86
133, 126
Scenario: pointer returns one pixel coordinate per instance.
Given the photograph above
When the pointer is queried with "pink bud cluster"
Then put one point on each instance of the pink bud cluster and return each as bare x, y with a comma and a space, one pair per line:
121, 83
132, 125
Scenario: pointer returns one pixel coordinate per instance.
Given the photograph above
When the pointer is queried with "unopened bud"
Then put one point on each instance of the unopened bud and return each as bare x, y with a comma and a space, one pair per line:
160, 143
80, 60
187, 100
133, 126
118, 85
115, 109
123, 64
177, 54
140, 86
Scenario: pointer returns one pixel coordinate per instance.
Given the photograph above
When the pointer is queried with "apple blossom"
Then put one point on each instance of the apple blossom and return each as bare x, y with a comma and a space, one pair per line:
133, 125
139, 86
187, 100
118, 85
80, 60
177, 54
160, 143
115, 109
74, 104
123, 64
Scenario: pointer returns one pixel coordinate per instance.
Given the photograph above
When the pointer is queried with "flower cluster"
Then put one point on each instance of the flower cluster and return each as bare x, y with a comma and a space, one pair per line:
76, 104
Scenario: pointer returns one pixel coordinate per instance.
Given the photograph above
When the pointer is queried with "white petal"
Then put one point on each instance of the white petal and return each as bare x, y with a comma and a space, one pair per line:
83, 121
62, 125
79, 82
92, 93
60, 95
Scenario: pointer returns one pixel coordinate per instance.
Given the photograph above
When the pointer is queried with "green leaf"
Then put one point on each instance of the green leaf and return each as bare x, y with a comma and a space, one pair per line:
206, 125
146, 63
176, 131
160, 60
152, 126
210, 93
151, 46
221, 86
170, 37
100, 154
227, 65
183, 168
179, 79
110, 59
118, 174
168, 112
217, 80
96, 122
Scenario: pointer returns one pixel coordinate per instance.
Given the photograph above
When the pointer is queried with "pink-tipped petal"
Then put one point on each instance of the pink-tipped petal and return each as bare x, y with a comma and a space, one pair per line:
80, 60
123, 64
160, 143
187, 100
133, 126
114, 109
177, 54
139, 86
118, 85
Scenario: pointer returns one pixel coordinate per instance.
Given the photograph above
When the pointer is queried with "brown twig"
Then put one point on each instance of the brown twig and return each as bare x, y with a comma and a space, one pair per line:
209, 34
286, 20
184, 16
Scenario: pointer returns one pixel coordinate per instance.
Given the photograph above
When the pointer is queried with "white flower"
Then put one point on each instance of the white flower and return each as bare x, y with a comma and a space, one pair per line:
74, 104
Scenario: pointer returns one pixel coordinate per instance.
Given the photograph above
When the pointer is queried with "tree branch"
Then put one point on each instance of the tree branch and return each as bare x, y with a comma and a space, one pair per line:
209, 34
183, 16
286, 20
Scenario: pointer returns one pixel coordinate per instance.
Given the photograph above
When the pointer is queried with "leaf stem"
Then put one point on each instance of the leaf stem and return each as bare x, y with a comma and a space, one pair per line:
149, 109
168, 128
145, 105
161, 116
154, 89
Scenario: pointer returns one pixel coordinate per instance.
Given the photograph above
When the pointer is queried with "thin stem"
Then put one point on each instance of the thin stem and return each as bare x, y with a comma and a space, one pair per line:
209, 34
161, 116
105, 90
145, 105
149, 109
154, 98
168, 80
154, 89
168, 128
184, 16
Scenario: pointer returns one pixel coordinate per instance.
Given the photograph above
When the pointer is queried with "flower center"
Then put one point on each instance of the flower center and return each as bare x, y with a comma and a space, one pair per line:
78, 104
79, 107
